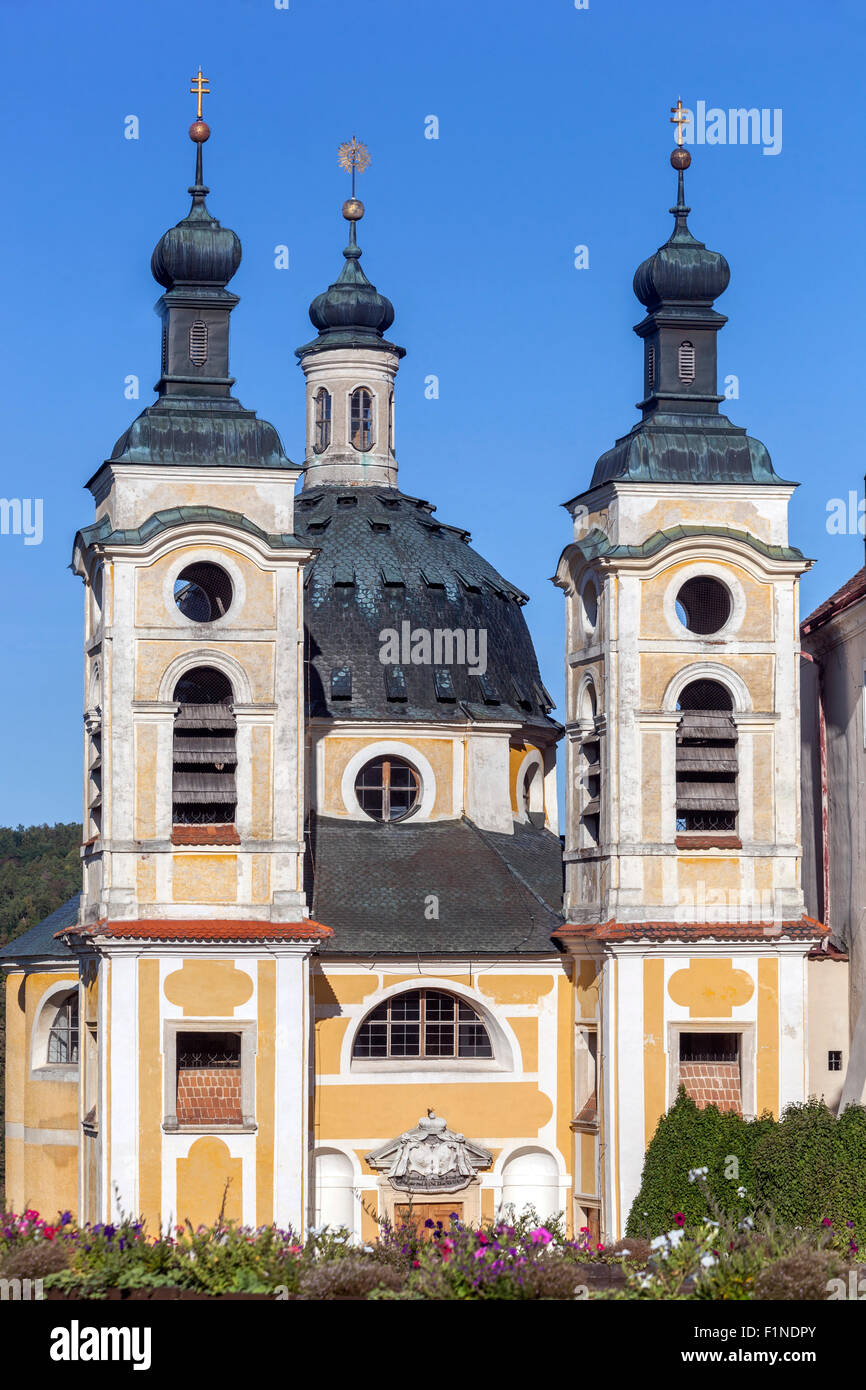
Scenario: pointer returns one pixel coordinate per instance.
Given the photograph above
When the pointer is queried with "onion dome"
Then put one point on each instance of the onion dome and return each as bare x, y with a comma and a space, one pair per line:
198, 251
351, 312
683, 270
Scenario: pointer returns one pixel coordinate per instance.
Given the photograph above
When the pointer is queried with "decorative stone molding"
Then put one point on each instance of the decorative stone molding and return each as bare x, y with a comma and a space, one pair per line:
430, 1158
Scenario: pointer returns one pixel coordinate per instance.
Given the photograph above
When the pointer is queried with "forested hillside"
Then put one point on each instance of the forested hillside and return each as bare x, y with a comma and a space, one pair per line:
39, 869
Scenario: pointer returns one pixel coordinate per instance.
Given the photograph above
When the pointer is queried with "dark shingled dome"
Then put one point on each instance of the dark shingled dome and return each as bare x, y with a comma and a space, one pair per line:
384, 560
198, 251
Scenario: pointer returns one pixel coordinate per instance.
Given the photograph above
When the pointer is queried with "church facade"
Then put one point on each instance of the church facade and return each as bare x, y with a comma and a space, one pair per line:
322, 968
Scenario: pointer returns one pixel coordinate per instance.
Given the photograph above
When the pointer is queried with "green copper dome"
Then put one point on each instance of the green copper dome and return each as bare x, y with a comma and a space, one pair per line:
351, 312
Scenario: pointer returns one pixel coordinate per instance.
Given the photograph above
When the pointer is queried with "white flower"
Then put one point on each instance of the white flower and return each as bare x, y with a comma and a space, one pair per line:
746, 1224
675, 1237
708, 1261
695, 1173
741, 1192
658, 1242
623, 1253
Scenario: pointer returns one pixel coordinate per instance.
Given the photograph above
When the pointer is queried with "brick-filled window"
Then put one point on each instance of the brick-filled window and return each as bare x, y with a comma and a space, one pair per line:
209, 1079
710, 1069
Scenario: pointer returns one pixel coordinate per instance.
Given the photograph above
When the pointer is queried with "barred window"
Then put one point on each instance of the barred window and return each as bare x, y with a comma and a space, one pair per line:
204, 790
322, 434
361, 419
63, 1037
703, 605
423, 1023
203, 592
651, 366
706, 760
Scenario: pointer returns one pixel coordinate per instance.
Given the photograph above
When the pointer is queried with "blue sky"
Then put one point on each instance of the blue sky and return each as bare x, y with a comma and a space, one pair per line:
553, 132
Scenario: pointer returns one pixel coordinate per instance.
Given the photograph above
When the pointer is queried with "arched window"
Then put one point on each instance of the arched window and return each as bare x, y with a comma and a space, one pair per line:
388, 788
322, 433
686, 361
63, 1034
532, 794
205, 757
423, 1023
361, 419
706, 760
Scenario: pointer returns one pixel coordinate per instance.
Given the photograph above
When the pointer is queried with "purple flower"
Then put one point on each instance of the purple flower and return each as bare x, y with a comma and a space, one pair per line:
541, 1236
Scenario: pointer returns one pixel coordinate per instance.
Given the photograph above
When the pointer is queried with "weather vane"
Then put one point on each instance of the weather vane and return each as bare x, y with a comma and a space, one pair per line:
355, 156
199, 131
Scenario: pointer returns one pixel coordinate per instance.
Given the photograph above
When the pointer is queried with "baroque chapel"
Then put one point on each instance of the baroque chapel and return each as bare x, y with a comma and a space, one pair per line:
331, 962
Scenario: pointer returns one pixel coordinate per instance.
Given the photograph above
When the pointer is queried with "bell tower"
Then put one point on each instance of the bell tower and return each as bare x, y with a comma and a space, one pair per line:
194, 934
682, 851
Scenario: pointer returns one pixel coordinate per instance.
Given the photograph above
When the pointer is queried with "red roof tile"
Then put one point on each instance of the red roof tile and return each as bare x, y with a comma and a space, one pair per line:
203, 929
846, 597
801, 929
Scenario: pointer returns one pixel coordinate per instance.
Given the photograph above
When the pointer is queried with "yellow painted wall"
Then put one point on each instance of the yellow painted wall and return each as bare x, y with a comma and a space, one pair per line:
339, 751
755, 669
204, 878
153, 657
757, 624
767, 1090
209, 1183
259, 608
146, 738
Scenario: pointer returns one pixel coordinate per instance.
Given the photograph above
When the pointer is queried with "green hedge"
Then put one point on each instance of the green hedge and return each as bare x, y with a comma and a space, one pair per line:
806, 1167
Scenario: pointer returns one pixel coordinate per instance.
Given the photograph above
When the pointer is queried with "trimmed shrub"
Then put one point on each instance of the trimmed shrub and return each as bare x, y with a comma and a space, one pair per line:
689, 1138
804, 1275
353, 1276
810, 1169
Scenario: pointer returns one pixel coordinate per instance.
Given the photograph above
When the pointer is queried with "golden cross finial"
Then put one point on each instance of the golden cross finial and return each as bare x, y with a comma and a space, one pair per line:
200, 89
680, 118
355, 156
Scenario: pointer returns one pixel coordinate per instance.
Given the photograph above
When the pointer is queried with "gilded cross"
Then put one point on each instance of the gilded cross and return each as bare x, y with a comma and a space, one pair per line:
201, 89
680, 118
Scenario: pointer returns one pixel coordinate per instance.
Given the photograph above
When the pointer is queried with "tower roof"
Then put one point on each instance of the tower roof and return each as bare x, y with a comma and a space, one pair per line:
682, 438
351, 312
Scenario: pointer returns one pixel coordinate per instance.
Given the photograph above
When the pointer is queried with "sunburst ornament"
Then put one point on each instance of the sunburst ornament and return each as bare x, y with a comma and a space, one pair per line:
355, 156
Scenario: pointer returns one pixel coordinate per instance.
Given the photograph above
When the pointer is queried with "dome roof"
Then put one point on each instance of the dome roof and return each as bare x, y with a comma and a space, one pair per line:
384, 562
196, 251
683, 270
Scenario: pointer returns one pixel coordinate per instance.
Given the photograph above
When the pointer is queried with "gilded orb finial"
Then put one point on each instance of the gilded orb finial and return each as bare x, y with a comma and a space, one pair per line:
355, 156
199, 131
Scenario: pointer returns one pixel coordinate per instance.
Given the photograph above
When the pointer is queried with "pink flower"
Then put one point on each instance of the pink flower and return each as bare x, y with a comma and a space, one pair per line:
599, 1247
48, 1232
826, 1221
416, 1264
541, 1236
479, 1255
679, 1218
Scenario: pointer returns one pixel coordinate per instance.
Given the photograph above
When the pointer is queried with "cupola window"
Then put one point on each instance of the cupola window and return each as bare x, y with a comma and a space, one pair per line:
204, 790
322, 435
651, 366
63, 1036
198, 343
703, 605
423, 1023
361, 419
388, 788
686, 361
706, 760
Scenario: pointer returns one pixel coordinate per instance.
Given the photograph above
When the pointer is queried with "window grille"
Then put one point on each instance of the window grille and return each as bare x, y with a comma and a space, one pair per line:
208, 1050
703, 605
651, 366
834, 1061
198, 343
203, 592
706, 760
423, 1023
361, 419
709, 1047
63, 1037
687, 361
204, 788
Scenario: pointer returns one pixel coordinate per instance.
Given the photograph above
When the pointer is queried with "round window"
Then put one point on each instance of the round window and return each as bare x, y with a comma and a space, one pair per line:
203, 592
703, 605
388, 788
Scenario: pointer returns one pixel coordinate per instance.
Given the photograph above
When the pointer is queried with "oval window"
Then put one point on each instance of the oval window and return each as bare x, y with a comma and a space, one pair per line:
388, 788
703, 605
